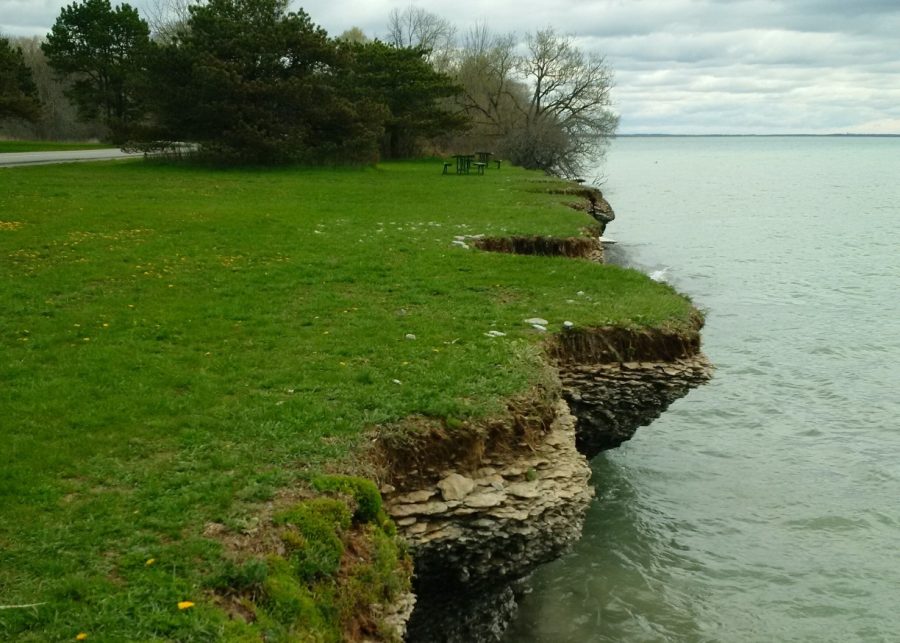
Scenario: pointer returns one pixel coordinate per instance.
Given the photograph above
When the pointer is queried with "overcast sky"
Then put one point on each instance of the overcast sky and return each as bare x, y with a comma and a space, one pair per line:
682, 66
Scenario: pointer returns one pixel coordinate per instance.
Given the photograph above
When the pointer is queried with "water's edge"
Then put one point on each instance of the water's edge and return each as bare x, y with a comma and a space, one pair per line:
513, 495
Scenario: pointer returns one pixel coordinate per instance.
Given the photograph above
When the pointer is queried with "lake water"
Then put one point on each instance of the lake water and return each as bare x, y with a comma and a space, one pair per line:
766, 505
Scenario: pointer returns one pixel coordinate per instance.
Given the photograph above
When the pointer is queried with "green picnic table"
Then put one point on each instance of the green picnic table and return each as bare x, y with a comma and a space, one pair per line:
463, 162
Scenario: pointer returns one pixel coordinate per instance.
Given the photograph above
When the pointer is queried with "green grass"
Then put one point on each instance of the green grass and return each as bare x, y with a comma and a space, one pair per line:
180, 343
48, 146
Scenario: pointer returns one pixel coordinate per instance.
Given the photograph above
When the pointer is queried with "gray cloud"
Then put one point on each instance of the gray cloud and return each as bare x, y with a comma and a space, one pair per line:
682, 66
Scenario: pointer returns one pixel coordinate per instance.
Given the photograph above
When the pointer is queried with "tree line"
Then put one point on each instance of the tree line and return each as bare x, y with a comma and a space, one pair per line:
249, 81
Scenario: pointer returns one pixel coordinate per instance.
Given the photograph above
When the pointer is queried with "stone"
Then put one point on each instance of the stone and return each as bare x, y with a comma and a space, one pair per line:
537, 320
415, 497
491, 480
406, 522
523, 490
510, 514
418, 528
455, 486
421, 509
410, 336
485, 500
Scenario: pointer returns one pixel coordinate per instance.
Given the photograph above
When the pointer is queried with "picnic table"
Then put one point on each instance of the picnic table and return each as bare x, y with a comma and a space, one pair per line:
463, 162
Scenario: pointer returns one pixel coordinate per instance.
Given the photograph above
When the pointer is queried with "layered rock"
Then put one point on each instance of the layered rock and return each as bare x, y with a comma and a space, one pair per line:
474, 535
611, 400
617, 379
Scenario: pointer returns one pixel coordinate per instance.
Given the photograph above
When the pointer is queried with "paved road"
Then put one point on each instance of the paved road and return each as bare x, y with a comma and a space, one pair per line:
11, 159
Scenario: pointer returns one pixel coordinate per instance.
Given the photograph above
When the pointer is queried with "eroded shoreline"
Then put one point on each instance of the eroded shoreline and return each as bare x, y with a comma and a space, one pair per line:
480, 515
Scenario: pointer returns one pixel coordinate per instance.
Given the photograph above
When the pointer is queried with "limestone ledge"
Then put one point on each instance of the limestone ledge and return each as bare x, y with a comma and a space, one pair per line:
611, 400
473, 535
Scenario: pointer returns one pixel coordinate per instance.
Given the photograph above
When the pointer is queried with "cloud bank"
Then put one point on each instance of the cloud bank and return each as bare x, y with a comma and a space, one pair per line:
682, 66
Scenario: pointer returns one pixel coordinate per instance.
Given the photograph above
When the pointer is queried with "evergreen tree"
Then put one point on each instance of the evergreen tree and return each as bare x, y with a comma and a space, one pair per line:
251, 82
414, 93
104, 50
18, 93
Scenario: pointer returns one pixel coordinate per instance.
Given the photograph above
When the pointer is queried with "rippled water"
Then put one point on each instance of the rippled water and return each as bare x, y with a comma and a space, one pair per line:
766, 505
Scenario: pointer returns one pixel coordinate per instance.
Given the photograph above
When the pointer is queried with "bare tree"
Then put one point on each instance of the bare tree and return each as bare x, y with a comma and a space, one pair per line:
354, 35
59, 119
416, 27
486, 67
570, 91
167, 17
548, 107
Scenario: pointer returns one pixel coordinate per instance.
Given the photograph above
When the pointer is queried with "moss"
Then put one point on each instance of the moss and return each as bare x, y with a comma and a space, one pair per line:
312, 536
291, 609
340, 558
364, 493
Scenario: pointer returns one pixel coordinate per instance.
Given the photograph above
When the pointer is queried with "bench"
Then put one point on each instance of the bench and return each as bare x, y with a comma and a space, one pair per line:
497, 161
447, 165
480, 167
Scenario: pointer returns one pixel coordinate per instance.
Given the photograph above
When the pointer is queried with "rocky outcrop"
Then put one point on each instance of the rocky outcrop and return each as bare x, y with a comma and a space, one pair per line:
514, 495
475, 534
611, 400
616, 380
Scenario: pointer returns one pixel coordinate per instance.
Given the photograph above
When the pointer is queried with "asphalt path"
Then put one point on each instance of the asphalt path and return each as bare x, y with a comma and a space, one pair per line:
14, 159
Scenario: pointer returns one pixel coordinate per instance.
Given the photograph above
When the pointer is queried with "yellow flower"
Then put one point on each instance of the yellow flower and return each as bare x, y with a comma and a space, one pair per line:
150, 561
184, 605
81, 636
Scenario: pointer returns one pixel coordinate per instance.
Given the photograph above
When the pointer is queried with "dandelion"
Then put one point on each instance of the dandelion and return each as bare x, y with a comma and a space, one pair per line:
81, 636
150, 561
185, 605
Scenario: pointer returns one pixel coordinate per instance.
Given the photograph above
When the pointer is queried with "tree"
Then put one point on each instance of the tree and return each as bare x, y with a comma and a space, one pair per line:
546, 108
569, 103
58, 118
105, 51
354, 35
168, 17
18, 93
413, 92
416, 27
251, 82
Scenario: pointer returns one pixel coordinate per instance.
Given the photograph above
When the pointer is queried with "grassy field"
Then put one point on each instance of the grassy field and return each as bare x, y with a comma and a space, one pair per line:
178, 344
